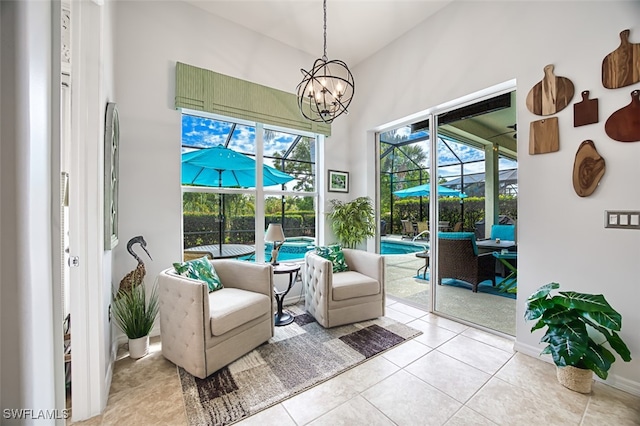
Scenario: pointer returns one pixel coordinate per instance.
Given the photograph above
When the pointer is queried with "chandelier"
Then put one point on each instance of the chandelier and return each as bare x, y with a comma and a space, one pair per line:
325, 91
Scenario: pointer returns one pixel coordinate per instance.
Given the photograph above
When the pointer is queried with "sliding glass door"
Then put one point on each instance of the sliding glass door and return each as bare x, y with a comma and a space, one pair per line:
444, 181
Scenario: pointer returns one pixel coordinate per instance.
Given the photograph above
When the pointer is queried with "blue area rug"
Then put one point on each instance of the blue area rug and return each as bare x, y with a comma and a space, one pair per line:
483, 287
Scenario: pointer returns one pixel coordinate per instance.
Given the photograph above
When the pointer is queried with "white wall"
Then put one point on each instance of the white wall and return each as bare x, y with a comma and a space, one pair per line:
470, 46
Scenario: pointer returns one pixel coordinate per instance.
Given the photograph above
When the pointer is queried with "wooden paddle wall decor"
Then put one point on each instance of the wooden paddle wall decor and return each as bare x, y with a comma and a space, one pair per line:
621, 67
586, 111
624, 124
544, 136
588, 169
552, 94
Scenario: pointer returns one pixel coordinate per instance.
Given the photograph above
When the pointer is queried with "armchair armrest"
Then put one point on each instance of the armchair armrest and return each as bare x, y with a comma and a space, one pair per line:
183, 302
317, 275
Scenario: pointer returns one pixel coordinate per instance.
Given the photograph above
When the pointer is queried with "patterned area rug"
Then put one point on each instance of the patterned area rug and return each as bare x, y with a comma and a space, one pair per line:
299, 356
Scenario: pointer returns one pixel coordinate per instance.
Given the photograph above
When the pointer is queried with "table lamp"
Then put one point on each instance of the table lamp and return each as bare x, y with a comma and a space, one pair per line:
275, 234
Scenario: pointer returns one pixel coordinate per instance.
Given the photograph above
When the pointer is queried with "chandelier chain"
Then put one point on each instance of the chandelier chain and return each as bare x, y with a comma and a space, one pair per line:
325, 29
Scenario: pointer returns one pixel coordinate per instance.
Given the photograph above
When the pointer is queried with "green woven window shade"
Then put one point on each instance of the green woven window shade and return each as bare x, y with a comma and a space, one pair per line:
204, 90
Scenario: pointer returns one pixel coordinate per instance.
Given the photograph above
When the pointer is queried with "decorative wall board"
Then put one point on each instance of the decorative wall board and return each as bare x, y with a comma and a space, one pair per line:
552, 94
621, 67
586, 111
624, 124
544, 136
588, 169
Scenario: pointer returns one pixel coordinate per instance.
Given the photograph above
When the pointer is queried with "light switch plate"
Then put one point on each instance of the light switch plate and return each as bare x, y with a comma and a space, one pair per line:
622, 219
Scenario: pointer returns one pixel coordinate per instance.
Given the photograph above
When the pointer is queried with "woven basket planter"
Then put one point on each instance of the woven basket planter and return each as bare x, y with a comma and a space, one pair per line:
576, 379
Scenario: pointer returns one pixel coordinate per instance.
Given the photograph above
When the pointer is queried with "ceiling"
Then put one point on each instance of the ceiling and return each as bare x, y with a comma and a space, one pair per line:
356, 29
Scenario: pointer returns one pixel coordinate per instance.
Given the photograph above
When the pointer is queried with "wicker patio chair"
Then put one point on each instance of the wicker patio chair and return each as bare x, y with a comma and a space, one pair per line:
458, 258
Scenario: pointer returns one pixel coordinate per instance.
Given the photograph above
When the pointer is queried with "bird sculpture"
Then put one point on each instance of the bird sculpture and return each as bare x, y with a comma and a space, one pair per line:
136, 276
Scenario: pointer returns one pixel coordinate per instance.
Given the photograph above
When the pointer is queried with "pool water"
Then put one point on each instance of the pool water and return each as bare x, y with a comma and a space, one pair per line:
295, 248
401, 247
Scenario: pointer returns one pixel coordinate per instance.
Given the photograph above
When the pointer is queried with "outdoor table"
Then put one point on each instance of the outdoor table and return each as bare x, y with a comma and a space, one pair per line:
229, 251
491, 245
423, 255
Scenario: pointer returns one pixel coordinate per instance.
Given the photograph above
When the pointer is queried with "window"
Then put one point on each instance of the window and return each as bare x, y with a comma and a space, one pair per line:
221, 207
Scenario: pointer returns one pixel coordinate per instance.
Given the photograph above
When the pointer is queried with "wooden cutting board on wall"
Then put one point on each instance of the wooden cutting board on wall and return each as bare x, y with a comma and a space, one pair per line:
544, 136
552, 94
586, 111
624, 124
588, 169
621, 67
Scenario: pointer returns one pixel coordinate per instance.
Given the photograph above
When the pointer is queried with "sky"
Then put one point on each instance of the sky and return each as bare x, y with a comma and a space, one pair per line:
205, 132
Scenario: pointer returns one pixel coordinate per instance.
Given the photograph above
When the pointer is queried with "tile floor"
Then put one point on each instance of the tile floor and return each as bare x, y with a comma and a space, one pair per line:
451, 374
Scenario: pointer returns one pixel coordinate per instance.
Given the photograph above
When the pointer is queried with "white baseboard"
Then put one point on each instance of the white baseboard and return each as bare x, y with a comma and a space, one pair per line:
613, 380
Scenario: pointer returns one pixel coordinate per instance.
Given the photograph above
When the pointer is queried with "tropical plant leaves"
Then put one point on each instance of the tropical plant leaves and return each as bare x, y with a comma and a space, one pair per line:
584, 302
566, 317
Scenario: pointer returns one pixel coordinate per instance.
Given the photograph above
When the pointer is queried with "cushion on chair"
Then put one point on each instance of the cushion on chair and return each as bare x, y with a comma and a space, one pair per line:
350, 284
504, 232
200, 269
460, 236
232, 307
335, 255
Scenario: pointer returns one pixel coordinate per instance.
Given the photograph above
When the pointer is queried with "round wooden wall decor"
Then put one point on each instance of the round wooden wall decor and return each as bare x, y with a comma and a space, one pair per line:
588, 169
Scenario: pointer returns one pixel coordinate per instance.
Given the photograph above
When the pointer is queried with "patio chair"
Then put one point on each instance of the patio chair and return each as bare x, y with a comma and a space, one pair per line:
504, 232
458, 258
423, 231
408, 230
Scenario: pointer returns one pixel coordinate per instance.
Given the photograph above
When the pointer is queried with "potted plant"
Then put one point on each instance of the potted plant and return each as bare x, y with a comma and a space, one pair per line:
578, 327
135, 316
352, 222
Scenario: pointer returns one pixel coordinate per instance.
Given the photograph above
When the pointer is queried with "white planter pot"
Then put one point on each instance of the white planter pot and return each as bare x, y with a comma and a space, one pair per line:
576, 379
139, 347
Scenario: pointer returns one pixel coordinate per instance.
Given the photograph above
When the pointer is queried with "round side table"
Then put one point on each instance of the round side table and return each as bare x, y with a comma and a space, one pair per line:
281, 317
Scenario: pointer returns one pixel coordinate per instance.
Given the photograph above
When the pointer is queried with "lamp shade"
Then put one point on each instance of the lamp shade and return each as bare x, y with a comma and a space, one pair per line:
274, 233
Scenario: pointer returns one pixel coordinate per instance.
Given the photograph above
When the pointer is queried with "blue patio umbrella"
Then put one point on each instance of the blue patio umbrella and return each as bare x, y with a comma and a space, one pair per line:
425, 189
223, 167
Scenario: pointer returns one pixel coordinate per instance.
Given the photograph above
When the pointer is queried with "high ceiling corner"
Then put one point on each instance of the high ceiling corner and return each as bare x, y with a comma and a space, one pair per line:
356, 29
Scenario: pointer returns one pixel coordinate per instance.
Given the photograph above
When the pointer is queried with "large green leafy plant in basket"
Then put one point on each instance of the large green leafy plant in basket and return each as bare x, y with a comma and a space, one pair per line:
579, 326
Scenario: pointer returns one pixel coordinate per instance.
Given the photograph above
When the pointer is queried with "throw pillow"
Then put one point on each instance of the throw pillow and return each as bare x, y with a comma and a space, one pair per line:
335, 255
200, 269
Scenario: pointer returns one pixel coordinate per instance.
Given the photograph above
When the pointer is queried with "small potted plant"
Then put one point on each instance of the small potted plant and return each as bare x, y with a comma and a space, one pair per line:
352, 222
135, 316
578, 327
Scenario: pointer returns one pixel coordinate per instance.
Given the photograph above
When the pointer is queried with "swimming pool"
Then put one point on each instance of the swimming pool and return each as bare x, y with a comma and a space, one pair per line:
295, 248
401, 247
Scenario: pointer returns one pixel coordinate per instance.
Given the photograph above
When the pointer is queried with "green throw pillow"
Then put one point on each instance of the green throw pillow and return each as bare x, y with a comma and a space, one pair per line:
200, 269
335, 255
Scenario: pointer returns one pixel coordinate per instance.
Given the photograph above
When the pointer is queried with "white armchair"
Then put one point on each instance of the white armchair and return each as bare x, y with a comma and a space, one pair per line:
344, 297
201, 331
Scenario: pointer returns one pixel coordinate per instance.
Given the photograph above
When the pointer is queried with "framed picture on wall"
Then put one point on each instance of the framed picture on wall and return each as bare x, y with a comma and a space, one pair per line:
338, 181
111, 176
